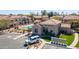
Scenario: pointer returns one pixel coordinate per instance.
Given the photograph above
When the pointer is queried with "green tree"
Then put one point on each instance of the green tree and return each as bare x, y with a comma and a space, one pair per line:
32, 16
55, 14
37, 14
75, 24
44, 12
4, 24
50, 14
73, 14
20, 14
57, 17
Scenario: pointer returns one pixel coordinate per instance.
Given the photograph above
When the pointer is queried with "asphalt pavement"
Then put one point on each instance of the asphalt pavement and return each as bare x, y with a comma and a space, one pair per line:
7, 41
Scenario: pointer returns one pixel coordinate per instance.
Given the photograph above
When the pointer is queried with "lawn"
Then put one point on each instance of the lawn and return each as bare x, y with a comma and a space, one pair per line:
69, 38
47, 39
78, 42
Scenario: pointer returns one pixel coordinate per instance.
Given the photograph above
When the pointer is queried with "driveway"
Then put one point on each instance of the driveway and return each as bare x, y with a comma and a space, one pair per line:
7, 41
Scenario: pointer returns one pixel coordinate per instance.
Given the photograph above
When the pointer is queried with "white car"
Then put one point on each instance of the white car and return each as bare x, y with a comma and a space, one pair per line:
32, 39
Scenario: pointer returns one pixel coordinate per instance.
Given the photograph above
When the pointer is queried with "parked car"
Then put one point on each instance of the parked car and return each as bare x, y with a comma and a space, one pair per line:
32, 39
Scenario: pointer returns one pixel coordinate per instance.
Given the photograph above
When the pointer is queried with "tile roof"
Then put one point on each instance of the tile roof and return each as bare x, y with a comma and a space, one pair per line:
50, 22
37, 21
39, 16
65, 25
11, 17
71, 17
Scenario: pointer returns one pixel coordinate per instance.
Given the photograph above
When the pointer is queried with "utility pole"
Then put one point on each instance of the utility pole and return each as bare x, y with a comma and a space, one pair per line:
62, 17
78, 13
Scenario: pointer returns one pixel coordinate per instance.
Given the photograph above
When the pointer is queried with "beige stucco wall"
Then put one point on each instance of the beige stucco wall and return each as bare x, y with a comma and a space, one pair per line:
67, 30
54, 28
45, 18
37, 26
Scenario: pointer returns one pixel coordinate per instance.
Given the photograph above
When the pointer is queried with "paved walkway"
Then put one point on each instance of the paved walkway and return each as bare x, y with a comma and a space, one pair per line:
39, 45
75, 41
20, 36
43, 43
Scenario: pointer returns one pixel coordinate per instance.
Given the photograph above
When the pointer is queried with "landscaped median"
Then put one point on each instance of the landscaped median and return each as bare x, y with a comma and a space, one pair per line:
77, 45
69, 38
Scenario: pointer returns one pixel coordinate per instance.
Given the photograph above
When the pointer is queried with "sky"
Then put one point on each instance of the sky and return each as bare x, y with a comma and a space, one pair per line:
34, 11
27, 6
39, 4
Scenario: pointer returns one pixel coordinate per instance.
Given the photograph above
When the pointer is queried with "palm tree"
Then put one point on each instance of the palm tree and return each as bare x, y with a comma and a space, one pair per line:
44, 12
50, 14
32, 17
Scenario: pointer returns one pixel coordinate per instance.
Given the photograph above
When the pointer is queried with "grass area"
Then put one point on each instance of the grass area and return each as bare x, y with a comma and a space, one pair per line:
69, 38
78, 42
47, 39
56, 17
77, 30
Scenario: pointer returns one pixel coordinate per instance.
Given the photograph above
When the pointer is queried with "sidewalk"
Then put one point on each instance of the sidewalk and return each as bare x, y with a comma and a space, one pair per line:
43, 43
75, 41
20, 36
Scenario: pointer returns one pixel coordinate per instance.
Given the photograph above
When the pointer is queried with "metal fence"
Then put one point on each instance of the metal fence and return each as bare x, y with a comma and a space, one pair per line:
58, 41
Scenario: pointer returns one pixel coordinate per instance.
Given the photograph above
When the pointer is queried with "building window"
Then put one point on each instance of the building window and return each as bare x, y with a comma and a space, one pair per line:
51, 31
36, 30
43, 29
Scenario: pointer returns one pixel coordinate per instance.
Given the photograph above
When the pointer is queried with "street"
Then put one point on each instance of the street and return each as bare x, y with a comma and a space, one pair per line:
7, 41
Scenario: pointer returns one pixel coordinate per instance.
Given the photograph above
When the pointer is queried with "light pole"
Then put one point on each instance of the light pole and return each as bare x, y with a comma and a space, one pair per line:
62, 16
78, 13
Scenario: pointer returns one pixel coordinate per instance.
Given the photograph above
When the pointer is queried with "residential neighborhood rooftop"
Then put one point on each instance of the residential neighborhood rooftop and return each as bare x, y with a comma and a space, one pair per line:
39, 16
50, 22
66, 25
11, 17
71, 17
37, 21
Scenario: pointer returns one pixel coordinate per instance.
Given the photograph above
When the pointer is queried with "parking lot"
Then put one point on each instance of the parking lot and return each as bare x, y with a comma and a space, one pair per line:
7, 41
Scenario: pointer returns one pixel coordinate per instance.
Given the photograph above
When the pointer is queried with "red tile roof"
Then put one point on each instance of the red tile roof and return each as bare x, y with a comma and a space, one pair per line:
39, 16
50, 22
71, 17
13, 17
